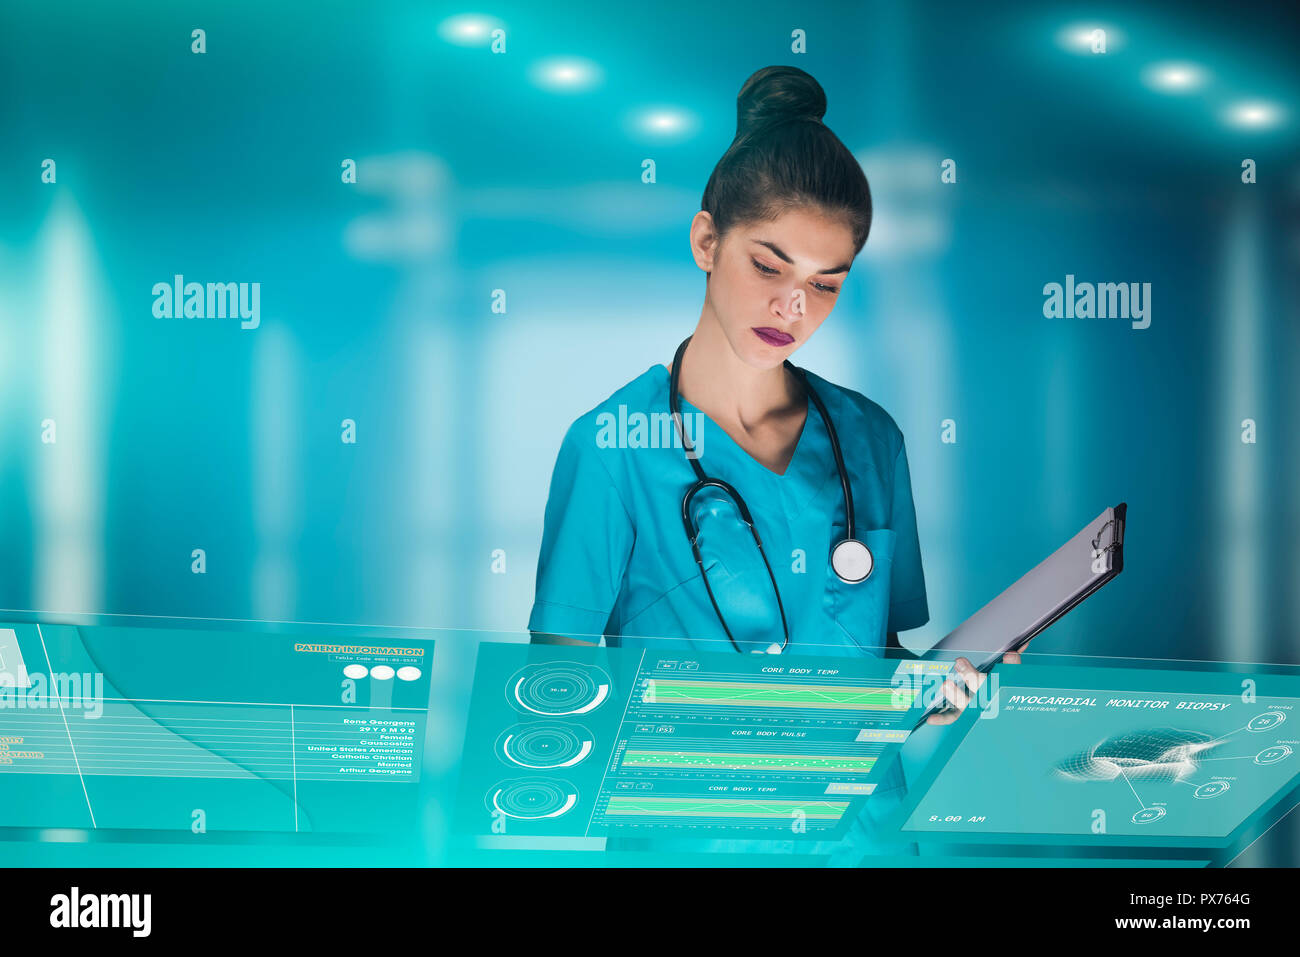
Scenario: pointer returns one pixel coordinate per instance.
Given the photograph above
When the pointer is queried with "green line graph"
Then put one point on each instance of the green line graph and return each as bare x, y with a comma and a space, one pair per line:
673, 691
712, 760
725, 807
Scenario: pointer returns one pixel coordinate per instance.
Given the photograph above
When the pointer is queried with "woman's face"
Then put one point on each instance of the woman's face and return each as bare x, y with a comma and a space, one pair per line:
772, 284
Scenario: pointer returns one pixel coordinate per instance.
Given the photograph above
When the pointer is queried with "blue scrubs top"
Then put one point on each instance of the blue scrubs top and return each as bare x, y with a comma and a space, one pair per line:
615, 560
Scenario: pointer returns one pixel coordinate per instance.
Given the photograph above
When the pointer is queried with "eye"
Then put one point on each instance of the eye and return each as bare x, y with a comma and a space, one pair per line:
768, 271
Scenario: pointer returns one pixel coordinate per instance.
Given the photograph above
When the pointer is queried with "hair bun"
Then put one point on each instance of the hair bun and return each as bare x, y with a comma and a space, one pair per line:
777, 94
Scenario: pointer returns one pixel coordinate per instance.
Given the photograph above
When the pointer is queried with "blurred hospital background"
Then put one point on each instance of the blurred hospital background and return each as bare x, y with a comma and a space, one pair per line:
522, 171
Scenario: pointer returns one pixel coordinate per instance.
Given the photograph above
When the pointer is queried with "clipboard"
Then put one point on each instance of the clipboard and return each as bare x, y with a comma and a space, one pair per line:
1042, 595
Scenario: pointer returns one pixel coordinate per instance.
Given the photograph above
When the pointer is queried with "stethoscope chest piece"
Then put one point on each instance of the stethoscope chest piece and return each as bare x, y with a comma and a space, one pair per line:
851, 560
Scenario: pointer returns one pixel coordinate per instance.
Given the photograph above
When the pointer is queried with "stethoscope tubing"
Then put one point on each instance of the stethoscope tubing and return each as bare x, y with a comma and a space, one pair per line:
704, 481
675, 408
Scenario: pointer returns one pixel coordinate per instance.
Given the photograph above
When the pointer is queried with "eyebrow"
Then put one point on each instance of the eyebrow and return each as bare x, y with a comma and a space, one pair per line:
777, 249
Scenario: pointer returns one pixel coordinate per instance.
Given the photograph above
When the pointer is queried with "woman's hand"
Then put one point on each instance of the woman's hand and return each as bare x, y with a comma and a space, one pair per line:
957, 697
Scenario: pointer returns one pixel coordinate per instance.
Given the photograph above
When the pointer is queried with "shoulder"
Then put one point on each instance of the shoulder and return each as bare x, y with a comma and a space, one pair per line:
645, 394
856, 415
634, 416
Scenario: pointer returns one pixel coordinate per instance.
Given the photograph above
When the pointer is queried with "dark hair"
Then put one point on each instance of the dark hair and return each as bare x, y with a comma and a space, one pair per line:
783, 157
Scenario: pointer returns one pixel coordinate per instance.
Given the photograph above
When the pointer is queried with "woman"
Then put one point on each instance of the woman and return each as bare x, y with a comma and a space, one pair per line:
645, 541
784, 214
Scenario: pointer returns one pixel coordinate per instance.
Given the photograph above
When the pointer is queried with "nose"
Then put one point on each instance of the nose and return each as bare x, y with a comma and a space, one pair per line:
789, 307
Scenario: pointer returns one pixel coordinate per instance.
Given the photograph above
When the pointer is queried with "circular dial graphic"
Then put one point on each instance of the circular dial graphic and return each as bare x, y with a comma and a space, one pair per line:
560, 688
1266, 721
545, 745
1279, 752
534, 799
1148, 815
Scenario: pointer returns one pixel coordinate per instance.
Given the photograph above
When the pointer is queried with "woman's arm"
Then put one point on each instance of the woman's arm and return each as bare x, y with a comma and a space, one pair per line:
587, 540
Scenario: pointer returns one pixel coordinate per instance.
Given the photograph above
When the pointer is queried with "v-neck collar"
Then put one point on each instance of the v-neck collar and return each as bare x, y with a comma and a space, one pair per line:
804, 478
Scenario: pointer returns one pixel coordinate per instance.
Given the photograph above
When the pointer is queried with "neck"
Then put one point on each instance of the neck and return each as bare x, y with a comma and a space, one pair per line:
716, 381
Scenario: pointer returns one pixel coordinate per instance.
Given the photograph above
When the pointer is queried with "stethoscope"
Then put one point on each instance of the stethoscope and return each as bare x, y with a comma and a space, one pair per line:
851, 560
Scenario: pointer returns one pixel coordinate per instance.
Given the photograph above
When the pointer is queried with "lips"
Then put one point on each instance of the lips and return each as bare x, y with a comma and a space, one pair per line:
773, 337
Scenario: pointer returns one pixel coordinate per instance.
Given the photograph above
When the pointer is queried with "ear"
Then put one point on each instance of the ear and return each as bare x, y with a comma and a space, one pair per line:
704, 241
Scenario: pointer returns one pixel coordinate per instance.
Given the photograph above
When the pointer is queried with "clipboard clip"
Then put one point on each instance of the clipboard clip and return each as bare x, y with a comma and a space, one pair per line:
1097, 547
